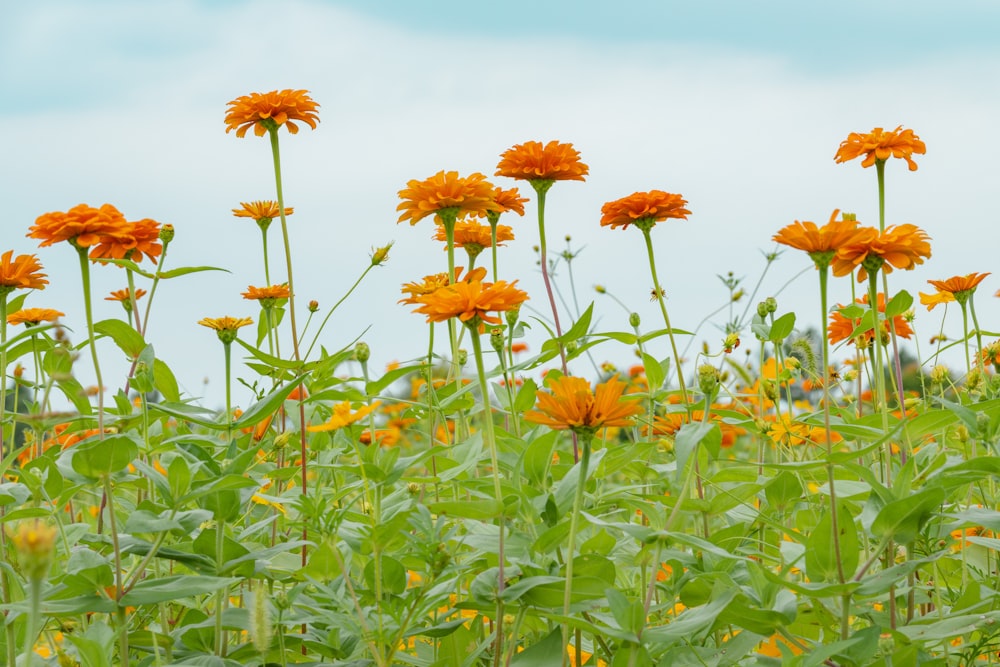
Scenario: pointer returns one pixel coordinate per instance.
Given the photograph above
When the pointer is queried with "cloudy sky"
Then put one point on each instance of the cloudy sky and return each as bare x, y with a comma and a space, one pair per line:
737, 106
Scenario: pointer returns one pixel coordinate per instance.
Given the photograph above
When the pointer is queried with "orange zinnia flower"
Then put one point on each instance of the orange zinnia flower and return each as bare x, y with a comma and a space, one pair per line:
34, 316
137, 240
428, 285
531, 161
269, 111
271, 293
820, 242
471, 300
261, 211
899, 246
959, 287
470, 232
85, 225
570, 404
343, 416
643, 209
509, 201
21, 272
446, 192
841, 328
123, 295
881, 145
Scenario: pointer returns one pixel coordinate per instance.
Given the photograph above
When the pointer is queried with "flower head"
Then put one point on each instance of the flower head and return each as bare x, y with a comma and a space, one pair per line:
428, 285
532, 161
842, 328
899, 246
509, 201
33, 316
21, 272
446, 195
821, 243
84, 225
471, 300
343, 415
959, 287
266, 294
261, 211
225, 327
644, 209
935, 299
269, 111
471, 233
134, 241
880, 145
35, 543
570, 404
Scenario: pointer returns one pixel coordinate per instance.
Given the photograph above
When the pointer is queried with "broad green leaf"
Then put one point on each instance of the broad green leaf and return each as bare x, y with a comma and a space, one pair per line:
688, 437
579, 328
153, 591
901, 520
468, 509
782, 327
545, 653
525, 399
125, 337
898, 304
266, 406
376, 387
393, 575
783, 490
655, 372
97, 458
822, 553
165, 382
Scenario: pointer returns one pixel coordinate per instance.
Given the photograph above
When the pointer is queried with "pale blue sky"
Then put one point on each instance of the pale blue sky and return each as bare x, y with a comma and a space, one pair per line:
738, 106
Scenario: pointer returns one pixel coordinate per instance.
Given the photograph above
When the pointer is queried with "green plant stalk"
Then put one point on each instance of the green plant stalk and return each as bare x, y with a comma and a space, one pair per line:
335, 306
878, 396
979, 334
965, 336
880, 173
376, 504
220, 601
267, 270
155, 284
493, 220
491, 444
11, 639
586, 437
89, 312
119, 589
34, 619
541, 188
666, 318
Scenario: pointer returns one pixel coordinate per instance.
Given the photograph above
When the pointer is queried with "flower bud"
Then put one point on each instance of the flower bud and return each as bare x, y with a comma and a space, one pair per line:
496, 339
771, 303
463, 356
313, 306
381, 255
512, 315
600, 289
708, 379
34, 543
167, 233
633, 320
362, 352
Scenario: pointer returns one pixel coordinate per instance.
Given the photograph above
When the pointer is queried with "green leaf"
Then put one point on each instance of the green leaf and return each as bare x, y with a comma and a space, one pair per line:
98, 458
688, 437
783, 490
545, 653
125, 337
376, 387
898, 304
184, 270
537, 458
655, 371
95, 646
468, 509
579, 328
266, 406
782, 327
902, 519
822, 555
393, 575
525, 398
153, 591
165, 382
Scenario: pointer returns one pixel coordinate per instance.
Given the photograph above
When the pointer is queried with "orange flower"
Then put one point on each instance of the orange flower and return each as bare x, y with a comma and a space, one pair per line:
471, 300
570, 404
899, 246
841, 328
85, 225
671, 422
471, 233
123, 295
271, 293
261, 211
136, 240
448, 193
225, 327
959, 287
269, 111
820, 242
21, 272
509, 201
881, 145
519, 347
428, 285
935, 299
532, 161
342, 416
643, 209
33, 316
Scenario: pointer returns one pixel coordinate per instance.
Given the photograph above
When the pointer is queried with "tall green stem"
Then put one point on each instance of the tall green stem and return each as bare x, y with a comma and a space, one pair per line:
88, 310
878, 394
880, 172
586, 437
542, 187
666, 318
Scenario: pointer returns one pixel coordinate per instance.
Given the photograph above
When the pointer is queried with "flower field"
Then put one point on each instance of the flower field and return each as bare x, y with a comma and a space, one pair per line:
802, 490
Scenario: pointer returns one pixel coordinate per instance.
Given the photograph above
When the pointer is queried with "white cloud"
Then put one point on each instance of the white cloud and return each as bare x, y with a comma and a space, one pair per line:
746, 139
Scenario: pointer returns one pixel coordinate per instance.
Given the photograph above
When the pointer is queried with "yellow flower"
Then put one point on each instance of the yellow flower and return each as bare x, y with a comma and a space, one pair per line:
343, 416
225, 327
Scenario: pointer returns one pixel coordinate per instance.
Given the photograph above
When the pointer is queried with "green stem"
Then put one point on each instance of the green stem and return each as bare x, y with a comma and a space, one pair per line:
666, 318
880, 172
220, 601
335, 306
34, 619
267, 270
542, 187
490, 437
965, 335
878, 394
88, 310
979, 333
119, 590
586, 438
152, 289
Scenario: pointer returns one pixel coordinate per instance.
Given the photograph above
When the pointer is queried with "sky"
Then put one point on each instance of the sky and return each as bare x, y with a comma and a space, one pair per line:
737, 106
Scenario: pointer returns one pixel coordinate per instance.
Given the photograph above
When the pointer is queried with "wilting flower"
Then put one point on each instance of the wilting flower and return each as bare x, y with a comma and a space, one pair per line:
471, 233
261, 211
959, 287
471, 300
446, 194
136, 240
85, 225
33, 316
570, 404
821, 243
935, 299
262, 294
531, 161
643, 209
21, 272
881, 145
269, 111
842, 328
225, 327
899, 246
343, 415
